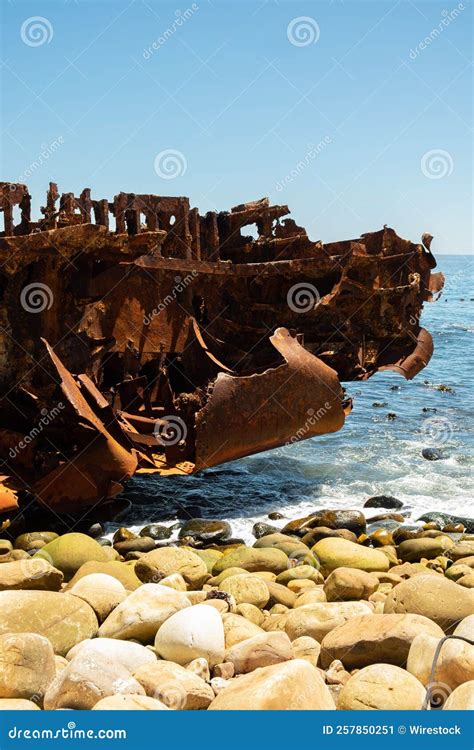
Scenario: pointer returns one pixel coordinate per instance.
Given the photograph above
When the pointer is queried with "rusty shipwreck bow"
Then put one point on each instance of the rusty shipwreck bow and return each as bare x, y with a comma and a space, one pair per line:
169, 322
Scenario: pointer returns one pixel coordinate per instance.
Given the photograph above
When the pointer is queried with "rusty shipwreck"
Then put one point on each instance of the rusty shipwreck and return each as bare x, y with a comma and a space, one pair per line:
138, 336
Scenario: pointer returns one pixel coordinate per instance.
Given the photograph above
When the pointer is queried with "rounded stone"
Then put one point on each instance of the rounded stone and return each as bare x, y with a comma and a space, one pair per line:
413, 550
260, 651
375, 638
383, 501
162, 562
299, 573
247, 589
128, 653
102, 592
156, 531
143, 611
238, 628
30, 574
292, 685
120, 571
29, 540
69, 551
252, 559
194, 632
316, 620
462, 698
337, 553
349, 584
206, 531
27, 666
382, 687
129, 703
65, 620
433, 596
88, 679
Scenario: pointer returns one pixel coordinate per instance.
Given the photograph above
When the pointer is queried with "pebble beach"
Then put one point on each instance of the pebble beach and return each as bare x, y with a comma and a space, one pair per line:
335, 610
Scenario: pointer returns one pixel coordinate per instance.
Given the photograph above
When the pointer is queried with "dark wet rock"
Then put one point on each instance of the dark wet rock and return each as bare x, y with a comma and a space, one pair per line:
379, 404
204, 530
139, 544
386, 517
391, 416
454, 528
156, 531
301, 526
432, 454
430, 533
135, 555
443, 518
405, 532
30, 540
95, 531
104, 541
322, 532
395, 388
383, 501
122, 534
353, 520
381, 538
260, 529
275, 516
189, 512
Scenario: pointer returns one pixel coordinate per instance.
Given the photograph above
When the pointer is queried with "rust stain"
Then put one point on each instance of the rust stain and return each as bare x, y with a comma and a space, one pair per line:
173, 341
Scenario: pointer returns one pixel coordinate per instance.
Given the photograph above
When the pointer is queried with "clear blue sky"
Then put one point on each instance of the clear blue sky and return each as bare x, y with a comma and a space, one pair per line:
244, 106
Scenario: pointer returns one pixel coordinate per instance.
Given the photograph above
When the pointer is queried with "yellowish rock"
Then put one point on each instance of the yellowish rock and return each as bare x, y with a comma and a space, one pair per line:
382, 687
292, 685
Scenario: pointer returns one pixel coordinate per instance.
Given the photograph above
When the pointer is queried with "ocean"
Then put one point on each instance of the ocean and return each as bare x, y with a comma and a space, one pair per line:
372, 454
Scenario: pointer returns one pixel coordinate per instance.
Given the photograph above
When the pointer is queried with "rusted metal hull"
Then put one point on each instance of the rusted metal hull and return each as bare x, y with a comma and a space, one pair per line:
191, 343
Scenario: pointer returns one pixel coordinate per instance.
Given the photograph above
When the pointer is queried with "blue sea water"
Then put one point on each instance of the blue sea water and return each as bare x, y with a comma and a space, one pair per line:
371, 455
